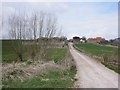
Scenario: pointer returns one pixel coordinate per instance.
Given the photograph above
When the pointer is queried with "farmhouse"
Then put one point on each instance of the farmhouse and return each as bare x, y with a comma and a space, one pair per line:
95, 40
76, 39
115, 42
83, 39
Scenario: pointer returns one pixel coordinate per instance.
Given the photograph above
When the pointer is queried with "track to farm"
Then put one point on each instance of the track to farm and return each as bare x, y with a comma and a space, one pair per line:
92, 74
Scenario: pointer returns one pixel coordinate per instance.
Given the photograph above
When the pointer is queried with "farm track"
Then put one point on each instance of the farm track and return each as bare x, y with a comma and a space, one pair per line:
92, 74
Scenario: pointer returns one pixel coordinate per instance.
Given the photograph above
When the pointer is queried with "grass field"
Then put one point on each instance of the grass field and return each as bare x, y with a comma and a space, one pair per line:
9, 54
10, 48
51, 79
108, 54
97, 50
56, 54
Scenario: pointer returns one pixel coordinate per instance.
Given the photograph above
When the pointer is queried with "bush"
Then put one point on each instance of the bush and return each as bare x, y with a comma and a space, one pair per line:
105, 57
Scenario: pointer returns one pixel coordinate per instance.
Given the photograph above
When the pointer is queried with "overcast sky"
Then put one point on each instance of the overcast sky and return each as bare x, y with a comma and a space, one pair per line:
90, 19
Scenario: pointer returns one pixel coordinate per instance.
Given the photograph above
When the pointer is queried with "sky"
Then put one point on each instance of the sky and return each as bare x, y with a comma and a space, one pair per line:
89, 19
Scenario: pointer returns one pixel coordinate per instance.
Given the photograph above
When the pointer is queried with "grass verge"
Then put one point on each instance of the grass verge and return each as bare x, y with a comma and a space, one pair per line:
110, 66
108, 54
97, 50
51, 79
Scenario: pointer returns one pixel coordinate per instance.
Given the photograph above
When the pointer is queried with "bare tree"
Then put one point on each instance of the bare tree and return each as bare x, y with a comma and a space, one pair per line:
37, 25
41, 23
51, 26
15, 22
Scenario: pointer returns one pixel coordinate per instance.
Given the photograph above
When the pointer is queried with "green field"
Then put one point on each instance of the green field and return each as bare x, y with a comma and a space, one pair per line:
8, 53
56, 54
10, 47
97, 50
108, 54
51, 79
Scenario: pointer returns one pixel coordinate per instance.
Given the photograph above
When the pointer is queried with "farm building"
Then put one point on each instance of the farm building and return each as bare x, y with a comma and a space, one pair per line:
83, 39
76, 39
79, 40
95, 40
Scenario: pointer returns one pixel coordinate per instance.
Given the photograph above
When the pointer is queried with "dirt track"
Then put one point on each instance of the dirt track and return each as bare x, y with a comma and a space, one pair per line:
92, 74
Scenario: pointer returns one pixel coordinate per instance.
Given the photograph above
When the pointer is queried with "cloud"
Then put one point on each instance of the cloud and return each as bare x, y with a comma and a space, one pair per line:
6, 12
82, 19
48, 7
60, 0
105, 26
91, 22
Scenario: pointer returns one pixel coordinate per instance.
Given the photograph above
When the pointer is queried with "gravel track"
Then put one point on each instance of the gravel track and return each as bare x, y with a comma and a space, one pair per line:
92, 74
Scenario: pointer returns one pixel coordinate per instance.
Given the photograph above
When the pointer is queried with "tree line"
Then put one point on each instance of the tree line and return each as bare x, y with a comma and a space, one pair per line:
24, 26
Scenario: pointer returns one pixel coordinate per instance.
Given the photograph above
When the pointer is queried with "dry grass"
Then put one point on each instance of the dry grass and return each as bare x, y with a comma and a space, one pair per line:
69, 61
22, 71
